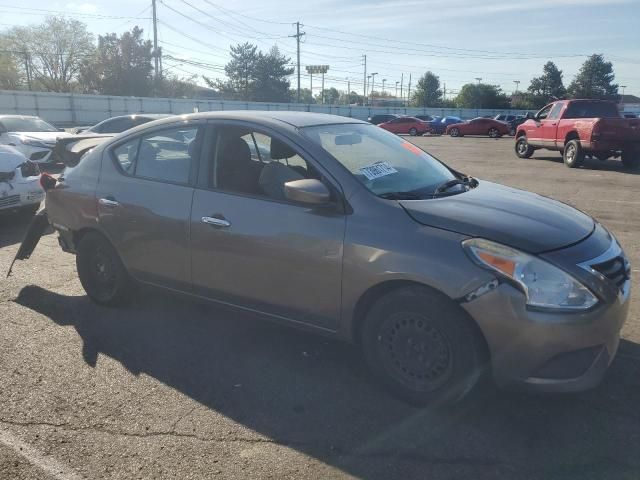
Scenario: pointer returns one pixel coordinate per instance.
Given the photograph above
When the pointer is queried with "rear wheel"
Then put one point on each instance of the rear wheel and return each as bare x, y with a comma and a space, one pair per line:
422, 346
413, 131
493, 132
454, 132
101, 271
630, 159
523, 149
573, 154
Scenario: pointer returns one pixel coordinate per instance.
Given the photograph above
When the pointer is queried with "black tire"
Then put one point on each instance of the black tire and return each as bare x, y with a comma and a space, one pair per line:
630, 159
413, 131
422, 346
493, 132
523, 149
573, 154
101, 271
454, 132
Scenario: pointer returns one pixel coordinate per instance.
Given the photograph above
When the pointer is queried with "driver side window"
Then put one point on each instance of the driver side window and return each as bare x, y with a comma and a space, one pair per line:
544, 113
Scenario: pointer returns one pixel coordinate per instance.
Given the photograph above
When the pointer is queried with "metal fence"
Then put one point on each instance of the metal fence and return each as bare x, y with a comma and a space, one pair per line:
64, 109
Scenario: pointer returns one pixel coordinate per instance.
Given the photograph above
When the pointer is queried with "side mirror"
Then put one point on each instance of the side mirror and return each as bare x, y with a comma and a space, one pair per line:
309, 191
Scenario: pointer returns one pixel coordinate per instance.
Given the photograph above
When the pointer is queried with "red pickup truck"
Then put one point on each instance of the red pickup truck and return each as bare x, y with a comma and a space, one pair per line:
581, 127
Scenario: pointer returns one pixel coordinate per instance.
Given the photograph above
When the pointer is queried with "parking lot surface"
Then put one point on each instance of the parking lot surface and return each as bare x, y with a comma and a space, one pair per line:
169, 388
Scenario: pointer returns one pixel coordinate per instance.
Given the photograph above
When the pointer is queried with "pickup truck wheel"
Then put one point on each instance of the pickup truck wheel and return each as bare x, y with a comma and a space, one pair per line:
422, 346
573, 154
101, 272
523, 149
493, 133
630, 159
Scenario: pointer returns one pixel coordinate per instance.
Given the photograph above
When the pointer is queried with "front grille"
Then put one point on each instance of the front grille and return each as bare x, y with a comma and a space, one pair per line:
616, 270
10, 200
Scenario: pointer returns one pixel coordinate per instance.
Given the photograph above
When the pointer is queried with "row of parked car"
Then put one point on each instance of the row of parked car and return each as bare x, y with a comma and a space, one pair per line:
497, 126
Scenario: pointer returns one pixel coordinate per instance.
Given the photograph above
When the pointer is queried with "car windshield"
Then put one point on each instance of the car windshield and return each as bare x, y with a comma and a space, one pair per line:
27, 125
383, 162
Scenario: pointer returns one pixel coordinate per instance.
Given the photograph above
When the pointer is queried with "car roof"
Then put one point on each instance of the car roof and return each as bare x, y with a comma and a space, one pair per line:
155, 116
17, 116
294, 119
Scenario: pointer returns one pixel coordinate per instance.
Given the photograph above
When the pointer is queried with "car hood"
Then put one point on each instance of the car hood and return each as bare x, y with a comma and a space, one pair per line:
513, 217
10, 159
48, 138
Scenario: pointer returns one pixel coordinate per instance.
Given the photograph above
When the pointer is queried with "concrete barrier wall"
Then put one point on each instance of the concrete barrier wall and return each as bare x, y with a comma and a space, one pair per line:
63, 109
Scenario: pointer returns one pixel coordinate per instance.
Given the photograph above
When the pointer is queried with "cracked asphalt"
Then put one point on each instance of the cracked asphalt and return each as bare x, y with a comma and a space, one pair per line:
169, 388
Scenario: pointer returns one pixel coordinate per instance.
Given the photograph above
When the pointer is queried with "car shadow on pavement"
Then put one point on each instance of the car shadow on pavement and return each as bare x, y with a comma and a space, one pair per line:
13, 227
314, 395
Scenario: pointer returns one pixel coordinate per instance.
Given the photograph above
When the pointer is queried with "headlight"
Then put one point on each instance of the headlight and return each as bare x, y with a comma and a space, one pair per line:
32, 142
544, 285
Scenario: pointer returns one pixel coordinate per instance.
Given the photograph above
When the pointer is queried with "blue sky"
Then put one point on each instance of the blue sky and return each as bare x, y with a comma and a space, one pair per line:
500, 41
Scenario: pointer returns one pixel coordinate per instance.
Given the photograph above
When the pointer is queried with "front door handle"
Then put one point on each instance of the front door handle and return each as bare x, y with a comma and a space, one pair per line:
108, 202
216, 222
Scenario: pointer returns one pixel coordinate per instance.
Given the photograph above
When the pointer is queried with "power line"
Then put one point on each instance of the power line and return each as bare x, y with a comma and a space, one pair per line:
32, 11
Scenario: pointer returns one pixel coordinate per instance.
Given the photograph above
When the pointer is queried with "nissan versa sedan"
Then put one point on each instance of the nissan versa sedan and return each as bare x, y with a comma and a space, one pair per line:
340, 227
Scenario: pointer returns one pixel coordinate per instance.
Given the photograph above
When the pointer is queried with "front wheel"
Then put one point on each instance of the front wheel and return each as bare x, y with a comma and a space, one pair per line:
493, 133
413, 132
573, 154
422, 346
523, 149
101, 271
630, 159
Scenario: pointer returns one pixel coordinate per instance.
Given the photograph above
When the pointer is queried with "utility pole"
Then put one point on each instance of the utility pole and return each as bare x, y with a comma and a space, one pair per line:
479, 79
384, 80
366, 91
322, 88
155, 41
348, 91
27, 68
297, 36
364, 80
517, 82
409, 90
397, 90
401, 86
621, 97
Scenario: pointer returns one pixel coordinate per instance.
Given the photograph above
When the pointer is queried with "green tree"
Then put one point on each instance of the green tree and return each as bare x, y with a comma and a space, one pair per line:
331, 96
271, 83
121, 65
56, 48
547, 87
594, 80
305, 95
11, 76
481, 95
427, 92
241, 72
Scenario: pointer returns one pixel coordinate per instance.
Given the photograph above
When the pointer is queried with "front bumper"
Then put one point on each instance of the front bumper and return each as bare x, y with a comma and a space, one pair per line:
20, 194
550, 352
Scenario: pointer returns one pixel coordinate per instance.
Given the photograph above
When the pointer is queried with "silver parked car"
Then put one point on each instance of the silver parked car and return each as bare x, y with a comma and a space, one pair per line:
337, 226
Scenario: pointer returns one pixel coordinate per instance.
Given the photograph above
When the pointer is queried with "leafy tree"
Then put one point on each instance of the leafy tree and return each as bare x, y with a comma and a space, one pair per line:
427, 92
331, 96
305, 95
11, 76
57, 49
271, 72
241, 71
176, 87
350, 99
481, 95
594, 80
547, 87
121, 65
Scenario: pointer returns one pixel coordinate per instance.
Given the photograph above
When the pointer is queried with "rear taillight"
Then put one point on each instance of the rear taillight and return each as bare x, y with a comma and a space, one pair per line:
47, 182
595, 131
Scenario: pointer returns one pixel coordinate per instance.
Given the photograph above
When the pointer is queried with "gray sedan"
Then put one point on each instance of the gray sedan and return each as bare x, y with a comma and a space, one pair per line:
339, 227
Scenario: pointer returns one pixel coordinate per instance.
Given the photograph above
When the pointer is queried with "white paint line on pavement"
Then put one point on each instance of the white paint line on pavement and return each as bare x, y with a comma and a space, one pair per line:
43, 462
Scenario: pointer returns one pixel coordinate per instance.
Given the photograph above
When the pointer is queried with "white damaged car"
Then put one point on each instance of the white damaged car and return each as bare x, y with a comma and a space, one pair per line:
32, 136
20, 189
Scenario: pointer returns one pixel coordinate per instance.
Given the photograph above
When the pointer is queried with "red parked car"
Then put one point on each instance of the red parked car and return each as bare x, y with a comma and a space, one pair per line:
410, 125
479, 126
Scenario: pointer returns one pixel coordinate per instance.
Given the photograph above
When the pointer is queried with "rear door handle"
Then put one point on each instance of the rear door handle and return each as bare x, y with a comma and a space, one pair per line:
108, 202
216, 222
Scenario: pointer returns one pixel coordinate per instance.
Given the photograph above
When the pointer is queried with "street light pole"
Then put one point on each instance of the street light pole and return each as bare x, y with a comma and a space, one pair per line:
373, 83
479, 79
397, 89
384, 80
517, 82
622, 97
348, 91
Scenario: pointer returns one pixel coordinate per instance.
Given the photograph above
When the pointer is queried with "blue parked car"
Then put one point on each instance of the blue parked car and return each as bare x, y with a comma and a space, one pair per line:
440, 126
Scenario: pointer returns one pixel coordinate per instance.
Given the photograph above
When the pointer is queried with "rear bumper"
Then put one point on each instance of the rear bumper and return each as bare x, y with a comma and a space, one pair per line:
609, 146
548, 352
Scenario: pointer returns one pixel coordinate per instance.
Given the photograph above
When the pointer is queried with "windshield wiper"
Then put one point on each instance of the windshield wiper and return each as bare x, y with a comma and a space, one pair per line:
443, 187
401, 196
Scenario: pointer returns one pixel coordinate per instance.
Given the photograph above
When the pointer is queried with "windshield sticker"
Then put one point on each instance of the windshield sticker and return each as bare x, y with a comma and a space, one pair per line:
377, 170
412, 148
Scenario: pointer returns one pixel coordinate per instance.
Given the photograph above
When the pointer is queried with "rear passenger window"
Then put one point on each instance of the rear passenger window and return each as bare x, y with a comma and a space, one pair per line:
163, 155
